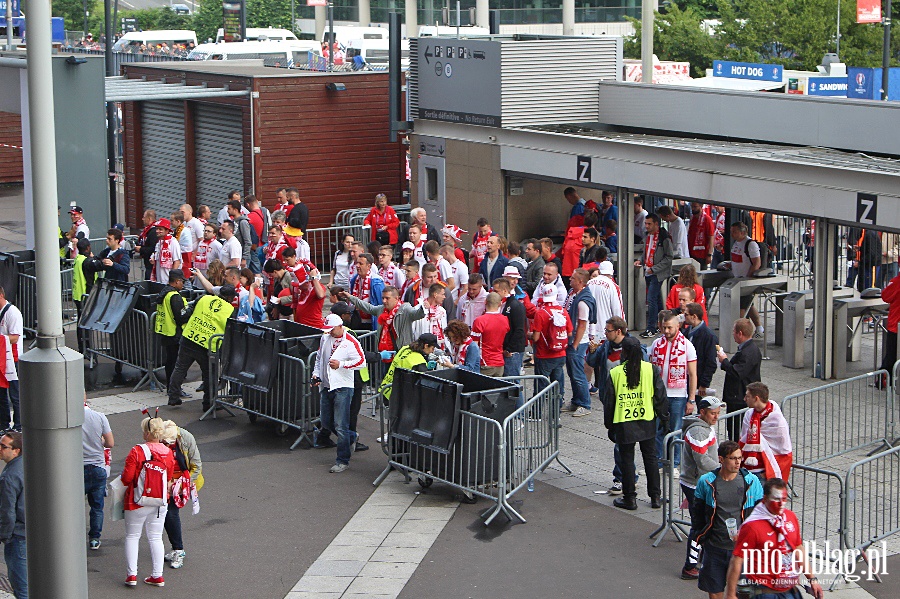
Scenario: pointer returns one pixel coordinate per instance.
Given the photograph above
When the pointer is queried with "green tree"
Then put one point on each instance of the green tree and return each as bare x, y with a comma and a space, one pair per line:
678, 36
72, 12
269, 13
207, 19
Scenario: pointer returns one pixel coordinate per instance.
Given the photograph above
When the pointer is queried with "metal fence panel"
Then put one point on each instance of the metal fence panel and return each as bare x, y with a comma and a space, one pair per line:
871, 502
323, 243
840, 417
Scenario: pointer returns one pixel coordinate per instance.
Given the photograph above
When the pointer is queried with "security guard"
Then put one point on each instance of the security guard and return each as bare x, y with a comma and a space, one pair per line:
84, 275
635, 405
208, 319
412, 357
170, 317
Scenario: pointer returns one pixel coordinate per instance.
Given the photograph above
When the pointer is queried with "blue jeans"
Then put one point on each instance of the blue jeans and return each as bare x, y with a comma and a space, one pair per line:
512, 366
95, 489
14, 554
581, 395
676, 415
335, 415
553, 369
654, 301
10, 396
617, 469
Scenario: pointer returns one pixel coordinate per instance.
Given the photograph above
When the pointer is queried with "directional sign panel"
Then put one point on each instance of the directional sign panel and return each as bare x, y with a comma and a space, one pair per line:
459, 80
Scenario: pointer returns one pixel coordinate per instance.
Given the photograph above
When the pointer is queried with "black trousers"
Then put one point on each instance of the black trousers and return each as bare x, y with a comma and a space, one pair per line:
890, 353
188, 353
171, 358
692, 559
734, 424
648, 453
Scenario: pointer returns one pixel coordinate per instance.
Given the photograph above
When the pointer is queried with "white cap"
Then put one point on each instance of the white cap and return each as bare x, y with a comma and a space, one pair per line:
408, 245
605, 268
332, 321
512, 271
548, 294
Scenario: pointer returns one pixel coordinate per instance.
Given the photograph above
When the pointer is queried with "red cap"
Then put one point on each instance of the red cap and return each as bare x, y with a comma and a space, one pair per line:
164, 223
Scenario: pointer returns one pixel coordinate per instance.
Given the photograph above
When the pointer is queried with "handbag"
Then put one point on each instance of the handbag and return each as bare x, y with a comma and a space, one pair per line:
117, 493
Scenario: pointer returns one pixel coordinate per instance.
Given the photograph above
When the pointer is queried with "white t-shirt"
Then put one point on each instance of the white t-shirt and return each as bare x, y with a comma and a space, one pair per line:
740, 263
678, 232
13, 324
445, 271
609, 303
186, 241
681, 389
561, 293
95, 426
223, 214
232, 249
302, 250
196, 229
460, 275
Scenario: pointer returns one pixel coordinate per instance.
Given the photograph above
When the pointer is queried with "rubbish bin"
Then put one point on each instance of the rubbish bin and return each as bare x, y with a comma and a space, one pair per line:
427, 418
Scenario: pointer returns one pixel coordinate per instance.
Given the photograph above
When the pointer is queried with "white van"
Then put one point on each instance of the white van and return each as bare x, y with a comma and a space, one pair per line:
376, 52
262, 34
467, 31
132, 41
345, 33
274, 53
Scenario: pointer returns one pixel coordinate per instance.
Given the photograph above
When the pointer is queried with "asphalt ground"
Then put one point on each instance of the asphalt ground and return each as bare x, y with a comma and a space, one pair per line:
266, 512
569, 547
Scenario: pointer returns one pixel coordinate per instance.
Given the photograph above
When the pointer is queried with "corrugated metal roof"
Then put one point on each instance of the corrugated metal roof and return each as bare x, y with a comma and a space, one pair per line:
804, 155
120, 89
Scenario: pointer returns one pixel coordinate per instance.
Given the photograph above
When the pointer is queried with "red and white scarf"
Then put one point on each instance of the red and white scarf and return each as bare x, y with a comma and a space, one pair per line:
462, 350
201, 256
479, 247
390, 274
236, 302
673, 355
273, 249
650, 246
362, 287
766, 442
433, 318
388, 332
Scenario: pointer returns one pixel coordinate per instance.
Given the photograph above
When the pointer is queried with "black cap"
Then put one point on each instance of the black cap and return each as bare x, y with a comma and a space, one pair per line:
341, 308
176, 275
428, 339
77, 209
227, 291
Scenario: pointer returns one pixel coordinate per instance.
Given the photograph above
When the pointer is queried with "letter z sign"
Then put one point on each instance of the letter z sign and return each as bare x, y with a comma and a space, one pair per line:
866, 208
583, 170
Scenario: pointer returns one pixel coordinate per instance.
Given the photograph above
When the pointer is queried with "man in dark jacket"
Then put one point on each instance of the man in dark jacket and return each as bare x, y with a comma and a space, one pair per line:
170, 317
514, 344
116, 262
147, 240
12, 512
494, 262
704, 341
582, 309
535, 269
241, 230
741, 370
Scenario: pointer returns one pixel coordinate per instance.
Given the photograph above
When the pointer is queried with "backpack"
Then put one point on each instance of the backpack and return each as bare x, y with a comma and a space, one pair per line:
559, 336
152, 486
763, 252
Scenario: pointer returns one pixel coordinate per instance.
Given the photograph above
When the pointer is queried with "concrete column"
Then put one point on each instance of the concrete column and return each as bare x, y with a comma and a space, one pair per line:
482, 13
647, 29
568, 17
365, 13
321, 14
823, 309
412, 18
625, 264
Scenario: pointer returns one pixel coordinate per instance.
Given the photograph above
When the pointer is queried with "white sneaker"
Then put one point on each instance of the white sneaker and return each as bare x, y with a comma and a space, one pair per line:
676, 473
567, 407
338, 468
760, 332
616, 488
178, 559
170, 555
581, 411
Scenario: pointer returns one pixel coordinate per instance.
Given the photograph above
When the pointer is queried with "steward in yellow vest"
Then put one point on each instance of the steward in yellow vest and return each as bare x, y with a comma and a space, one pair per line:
170, 317
210, 315
411, 357
635, 410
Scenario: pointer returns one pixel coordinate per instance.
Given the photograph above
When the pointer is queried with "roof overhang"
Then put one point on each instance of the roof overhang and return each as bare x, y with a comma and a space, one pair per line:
120, 89
745, 85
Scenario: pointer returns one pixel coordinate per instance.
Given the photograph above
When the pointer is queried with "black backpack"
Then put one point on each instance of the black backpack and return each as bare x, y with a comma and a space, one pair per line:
763, 252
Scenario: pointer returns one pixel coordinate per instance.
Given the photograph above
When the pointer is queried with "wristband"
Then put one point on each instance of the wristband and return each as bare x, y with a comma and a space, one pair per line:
316, 278
692, 401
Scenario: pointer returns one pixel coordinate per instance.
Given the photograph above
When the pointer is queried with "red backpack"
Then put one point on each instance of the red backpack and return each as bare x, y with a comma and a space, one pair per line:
559, 334
152, 485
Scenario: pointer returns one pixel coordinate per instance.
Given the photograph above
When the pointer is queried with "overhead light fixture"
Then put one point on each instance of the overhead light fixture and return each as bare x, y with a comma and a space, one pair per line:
335, 87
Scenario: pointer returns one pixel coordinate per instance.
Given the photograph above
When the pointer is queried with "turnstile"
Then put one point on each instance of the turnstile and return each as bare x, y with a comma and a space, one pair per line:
730, 294
848, 315
790, 322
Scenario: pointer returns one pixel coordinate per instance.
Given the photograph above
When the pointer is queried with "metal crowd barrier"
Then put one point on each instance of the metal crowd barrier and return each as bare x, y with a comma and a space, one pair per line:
840, 417
489, 459
291, 402
675, 511
323, 243
26, 300
356, 216
133, 344
871, 503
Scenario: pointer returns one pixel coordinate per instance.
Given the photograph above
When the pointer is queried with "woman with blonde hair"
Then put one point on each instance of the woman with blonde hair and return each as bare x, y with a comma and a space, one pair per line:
215, 273
149, 517
187, 460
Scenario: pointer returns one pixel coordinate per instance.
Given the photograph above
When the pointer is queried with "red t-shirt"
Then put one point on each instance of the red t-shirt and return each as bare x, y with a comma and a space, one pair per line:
772, 572
258, 224
307, 305
489, 330
542, 324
